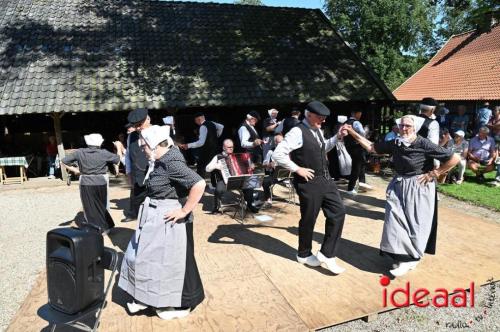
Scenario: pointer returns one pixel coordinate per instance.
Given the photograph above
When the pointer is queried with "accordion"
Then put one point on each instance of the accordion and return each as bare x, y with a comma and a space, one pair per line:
236, 165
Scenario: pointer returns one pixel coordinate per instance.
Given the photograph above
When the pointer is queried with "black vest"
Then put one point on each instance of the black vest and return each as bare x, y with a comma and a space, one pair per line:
349, 142
138, 159
209, 149
256, 151
310, 155
288, 124
424, 130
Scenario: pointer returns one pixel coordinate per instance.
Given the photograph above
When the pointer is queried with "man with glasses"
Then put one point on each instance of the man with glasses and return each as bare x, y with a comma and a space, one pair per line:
215, 166
136, 162
303, 151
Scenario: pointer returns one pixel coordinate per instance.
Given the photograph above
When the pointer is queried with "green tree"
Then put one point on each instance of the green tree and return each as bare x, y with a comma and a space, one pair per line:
394, 37
249, 2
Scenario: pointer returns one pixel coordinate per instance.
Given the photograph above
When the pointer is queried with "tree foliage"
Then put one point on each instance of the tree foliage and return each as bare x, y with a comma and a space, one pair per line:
397, 37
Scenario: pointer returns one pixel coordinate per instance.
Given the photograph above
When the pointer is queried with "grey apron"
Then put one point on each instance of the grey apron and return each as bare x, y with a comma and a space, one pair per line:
409, 215
154, 265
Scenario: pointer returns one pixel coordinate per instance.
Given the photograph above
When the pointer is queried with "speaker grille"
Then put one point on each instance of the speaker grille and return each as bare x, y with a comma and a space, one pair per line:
62, 286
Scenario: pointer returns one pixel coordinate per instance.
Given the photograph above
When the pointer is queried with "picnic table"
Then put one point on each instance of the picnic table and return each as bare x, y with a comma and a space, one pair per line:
20, 162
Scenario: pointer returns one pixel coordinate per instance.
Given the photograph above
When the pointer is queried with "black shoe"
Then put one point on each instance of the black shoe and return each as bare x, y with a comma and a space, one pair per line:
129, 219
253, 208
480, 178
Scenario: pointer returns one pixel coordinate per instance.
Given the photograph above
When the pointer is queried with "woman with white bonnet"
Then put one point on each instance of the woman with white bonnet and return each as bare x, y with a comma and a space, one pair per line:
159, 269
92, 166
410, 225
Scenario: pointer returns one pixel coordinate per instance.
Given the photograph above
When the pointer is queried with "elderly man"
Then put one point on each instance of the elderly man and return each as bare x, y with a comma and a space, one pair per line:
482, 154
270, 126
210, 131
136, 161
249, 137
303, 151
215, 166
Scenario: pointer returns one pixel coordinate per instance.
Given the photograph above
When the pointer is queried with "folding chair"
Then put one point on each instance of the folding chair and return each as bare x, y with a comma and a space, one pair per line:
280, 176
109, 261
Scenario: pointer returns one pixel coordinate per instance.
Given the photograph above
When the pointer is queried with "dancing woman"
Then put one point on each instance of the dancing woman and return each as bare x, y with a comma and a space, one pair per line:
410, 225
159, 268
93, 166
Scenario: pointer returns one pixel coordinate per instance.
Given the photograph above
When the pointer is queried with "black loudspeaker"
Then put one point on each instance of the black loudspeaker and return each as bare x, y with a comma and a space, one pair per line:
75, 279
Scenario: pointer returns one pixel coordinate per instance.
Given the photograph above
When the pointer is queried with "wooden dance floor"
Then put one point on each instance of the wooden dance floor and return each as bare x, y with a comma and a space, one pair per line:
253, 282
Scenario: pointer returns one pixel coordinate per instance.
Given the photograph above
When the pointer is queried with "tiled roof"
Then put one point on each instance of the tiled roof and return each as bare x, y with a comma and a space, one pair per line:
466, 68
82, 55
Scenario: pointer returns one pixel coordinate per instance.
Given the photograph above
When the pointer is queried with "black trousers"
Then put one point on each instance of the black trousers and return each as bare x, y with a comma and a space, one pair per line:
137, 196
220, 189
320, 193
358, 167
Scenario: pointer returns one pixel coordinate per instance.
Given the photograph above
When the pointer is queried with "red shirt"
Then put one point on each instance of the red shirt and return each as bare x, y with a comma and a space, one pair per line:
51, 149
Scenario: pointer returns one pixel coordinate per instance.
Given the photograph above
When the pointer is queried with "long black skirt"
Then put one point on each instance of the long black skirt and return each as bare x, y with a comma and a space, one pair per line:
94, 200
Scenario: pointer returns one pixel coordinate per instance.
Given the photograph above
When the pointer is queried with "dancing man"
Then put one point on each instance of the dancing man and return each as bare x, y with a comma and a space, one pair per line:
303, 151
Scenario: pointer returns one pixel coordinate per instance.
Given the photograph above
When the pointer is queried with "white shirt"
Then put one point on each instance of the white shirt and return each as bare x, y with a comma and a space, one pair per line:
293, 141
244, 136
213, 164
203, 135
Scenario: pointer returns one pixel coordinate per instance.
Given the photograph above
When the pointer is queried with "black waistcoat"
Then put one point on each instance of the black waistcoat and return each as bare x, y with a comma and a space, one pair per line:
138, 159
255, 151
289, 123
209, 149
310, 155
351, 143
424, 130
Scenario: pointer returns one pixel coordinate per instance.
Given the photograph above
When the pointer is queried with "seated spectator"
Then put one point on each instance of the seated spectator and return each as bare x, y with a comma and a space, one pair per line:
460, 146
391, 136
482, 154
460, 121
445, 139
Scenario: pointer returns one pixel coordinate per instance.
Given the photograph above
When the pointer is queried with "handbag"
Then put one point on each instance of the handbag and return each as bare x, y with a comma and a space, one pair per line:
345, 161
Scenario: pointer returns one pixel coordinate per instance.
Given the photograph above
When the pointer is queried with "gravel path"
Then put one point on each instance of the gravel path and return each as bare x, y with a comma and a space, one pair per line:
25, 217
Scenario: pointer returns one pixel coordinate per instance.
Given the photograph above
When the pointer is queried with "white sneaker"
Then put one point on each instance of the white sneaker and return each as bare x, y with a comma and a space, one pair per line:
309, 260
365, 186
404, 268
171, 313
134, 307
330, 263
352, 192
497, 178
51, 177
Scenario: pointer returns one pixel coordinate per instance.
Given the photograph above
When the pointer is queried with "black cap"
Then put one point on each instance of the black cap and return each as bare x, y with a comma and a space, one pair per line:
254, 114
199, 114
318, 108
429, 101
137, 115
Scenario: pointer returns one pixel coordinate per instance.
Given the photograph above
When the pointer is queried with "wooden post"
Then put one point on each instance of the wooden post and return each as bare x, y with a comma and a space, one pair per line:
60, 147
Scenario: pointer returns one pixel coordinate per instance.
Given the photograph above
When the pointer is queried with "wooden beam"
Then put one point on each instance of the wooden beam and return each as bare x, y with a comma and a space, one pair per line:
60, 146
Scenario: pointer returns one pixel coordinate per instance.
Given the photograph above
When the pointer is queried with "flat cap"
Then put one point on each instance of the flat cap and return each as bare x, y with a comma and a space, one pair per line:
137, 115
254, 114
428, 101
318, 108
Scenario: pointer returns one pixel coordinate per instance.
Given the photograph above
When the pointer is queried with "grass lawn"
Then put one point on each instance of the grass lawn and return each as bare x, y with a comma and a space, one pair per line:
472, 191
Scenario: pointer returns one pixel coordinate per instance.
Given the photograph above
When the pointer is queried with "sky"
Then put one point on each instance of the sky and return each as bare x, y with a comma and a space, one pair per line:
279, 3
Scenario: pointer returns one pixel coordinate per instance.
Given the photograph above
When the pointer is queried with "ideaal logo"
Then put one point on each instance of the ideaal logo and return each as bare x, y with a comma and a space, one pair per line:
420, 297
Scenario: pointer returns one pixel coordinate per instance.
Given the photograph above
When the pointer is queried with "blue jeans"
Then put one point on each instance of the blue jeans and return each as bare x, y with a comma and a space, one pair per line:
51, 164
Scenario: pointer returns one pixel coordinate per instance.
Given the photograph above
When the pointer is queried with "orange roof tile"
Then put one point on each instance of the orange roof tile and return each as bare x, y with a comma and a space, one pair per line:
466, 68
